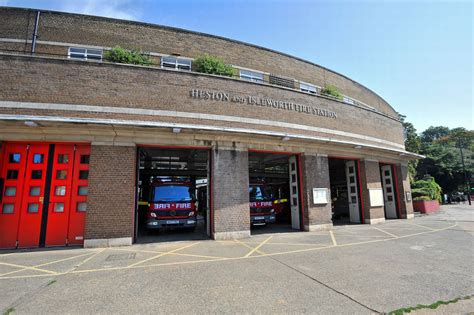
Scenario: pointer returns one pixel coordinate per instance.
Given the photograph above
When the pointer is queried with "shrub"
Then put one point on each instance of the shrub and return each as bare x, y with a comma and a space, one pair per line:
212, 65
332, 91
122, 55
421, 198
426, 187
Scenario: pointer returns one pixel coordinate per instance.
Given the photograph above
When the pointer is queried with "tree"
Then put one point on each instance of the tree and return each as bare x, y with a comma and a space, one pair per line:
212, 65
434, 133
412, 144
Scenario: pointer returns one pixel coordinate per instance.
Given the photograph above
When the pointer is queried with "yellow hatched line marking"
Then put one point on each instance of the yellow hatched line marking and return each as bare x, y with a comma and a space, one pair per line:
260, 245
290, 244
89, 258
248, 246
28, 268
236, 258
388, 233
45, 264
428, 228
162, 254
333, 238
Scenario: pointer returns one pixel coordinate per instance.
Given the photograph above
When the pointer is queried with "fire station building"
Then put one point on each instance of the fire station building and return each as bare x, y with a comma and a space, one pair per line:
84, 141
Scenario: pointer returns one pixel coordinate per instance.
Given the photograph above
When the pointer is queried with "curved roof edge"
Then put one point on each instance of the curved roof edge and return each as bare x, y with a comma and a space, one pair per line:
208, 35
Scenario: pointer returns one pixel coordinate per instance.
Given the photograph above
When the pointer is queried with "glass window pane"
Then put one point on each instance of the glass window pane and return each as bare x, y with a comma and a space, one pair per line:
351, 169
14, 158
83, 174
389, 189
293, 166
293, 178
36, 174
61, 174
295, 202
12, 174
388, 181
353, 199
389, 198
294, 189
35, 191
353, 190
81, 206
94, 52
59, 207
85, 159
351, 179
7, 208
38, 158
82, 191
33, 208
94, 57
77, 50
60, 191
63, 158
10, 191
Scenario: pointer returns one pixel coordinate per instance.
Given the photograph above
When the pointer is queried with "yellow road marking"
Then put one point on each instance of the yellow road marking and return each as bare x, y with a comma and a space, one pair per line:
422, 226
248, 246
289, 244
45, 264
260, 245
163, 254
333, 238
89, 258
388, 233
236, 258
27, 268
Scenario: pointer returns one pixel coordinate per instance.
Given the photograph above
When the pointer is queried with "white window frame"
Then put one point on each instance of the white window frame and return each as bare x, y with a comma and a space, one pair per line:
83, 53
308, 88
178, 63
348, 100
250, 75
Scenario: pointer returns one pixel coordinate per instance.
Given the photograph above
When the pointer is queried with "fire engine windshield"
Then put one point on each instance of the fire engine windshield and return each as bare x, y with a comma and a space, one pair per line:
172, 193
260, 193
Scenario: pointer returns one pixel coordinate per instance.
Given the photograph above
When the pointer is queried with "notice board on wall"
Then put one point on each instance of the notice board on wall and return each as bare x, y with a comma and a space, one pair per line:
376, 197
320, 196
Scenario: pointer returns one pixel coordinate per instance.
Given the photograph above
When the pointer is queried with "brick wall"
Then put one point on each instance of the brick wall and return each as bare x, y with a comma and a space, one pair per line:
230, 181
370, 178
111, 200
98, 31
315, 175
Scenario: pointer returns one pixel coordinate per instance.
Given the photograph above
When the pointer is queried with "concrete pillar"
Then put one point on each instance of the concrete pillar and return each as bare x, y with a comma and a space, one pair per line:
315, 170
111, 200
230, 196
370, 179
404, 191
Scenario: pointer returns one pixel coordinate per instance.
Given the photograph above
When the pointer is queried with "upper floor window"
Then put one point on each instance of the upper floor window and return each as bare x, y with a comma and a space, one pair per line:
176, 63
308, 88
85, 53
348, 100
251, 76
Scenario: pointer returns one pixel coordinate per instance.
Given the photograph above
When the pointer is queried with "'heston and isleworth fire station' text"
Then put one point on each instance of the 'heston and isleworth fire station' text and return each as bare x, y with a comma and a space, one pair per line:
260, 101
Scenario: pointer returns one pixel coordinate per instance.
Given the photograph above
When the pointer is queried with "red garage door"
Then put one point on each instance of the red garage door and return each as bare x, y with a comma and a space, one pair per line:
44, 193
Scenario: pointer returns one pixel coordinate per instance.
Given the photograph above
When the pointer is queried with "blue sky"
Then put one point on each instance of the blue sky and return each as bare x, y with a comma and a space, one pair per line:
418, 55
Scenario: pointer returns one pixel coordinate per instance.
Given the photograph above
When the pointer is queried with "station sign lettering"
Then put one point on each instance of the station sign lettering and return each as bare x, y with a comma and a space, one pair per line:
260, 101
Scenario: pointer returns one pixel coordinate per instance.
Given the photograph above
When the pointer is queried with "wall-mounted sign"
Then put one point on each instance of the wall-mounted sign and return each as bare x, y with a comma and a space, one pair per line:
408, 195
261, 101
376, 197
320, 196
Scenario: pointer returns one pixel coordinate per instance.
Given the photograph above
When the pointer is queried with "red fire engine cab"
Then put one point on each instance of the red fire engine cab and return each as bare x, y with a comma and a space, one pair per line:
172, 205
262, 210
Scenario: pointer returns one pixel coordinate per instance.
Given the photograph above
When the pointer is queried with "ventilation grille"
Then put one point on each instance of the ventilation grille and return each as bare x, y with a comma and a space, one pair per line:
289, 83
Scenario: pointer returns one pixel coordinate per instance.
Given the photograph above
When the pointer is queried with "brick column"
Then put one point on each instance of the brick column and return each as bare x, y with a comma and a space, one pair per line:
111, 200
370, 178
315, 170
230, 196
404, 191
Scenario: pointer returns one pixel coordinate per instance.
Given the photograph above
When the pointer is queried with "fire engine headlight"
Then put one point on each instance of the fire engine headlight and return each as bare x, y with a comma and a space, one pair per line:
272, 211
152, 214
191, 214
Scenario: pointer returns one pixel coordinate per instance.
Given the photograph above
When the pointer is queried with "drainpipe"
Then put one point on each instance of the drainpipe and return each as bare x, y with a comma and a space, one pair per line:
35, 33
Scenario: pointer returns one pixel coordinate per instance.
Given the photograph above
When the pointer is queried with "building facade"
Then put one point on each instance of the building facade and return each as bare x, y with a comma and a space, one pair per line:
78, 134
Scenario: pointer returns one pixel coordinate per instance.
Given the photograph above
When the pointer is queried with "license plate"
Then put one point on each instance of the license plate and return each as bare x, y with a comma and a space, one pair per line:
259, 218
172, 222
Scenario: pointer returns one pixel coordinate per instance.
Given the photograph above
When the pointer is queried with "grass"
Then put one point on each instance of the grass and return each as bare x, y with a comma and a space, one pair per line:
433, 306
9, 311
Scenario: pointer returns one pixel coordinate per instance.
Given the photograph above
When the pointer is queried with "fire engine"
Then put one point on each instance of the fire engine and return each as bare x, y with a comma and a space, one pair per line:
262, 210
172, 205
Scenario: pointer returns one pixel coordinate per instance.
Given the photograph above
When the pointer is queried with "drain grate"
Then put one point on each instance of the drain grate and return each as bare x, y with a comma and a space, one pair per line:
115, 257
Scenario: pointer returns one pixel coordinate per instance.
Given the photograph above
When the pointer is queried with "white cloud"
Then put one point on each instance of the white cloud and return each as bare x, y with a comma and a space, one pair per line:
119, 9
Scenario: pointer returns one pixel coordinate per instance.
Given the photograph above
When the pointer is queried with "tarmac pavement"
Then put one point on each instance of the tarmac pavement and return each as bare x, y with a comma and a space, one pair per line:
356, 269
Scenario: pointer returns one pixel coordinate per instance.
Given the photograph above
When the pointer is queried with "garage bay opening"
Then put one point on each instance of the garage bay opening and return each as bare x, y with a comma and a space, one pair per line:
345, 197
173, 194
274, 195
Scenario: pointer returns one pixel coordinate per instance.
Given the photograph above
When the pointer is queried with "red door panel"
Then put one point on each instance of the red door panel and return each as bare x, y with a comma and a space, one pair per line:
33, 196
80, 182
60, 195
12, 171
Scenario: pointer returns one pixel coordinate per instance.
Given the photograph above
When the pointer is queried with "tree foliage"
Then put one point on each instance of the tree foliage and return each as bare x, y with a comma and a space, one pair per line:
130, 56
212, 65
426, 189
412, 144
332, 91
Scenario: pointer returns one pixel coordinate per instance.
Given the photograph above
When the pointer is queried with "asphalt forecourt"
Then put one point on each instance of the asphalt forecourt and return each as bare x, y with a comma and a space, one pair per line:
356, 269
